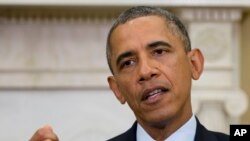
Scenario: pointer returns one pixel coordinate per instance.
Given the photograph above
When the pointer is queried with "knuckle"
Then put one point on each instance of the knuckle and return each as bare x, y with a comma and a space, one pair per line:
41, 132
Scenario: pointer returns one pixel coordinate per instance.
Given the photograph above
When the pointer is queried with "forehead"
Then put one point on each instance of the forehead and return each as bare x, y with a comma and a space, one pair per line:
150, 21
138, 30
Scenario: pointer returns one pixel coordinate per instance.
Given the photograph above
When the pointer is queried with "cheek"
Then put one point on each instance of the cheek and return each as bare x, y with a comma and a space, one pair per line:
130, 91
182, 81
127, 88
177, 71
128, 81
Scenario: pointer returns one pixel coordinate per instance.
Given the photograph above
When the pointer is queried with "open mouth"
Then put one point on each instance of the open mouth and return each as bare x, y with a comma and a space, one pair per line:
150, 93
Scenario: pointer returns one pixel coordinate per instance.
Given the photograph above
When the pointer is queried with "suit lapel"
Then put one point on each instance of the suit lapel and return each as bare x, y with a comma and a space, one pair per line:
202, 134
131, 133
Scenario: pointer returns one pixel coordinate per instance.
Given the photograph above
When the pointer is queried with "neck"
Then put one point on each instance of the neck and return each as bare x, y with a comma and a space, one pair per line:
161, 131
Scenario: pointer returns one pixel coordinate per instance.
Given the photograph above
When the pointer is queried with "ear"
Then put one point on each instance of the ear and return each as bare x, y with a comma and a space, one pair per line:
114, 87
197, 63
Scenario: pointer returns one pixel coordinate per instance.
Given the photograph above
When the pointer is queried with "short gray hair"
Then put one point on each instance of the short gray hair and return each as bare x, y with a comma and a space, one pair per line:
173, 22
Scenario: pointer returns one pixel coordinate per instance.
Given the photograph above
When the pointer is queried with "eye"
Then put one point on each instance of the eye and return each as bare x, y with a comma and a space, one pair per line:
127, 63
159, 51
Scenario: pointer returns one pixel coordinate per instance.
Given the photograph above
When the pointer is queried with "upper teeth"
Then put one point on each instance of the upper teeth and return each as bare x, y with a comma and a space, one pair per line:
155, 91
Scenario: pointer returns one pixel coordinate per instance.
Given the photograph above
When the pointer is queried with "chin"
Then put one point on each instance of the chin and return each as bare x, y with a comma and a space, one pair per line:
158, 116
158, 120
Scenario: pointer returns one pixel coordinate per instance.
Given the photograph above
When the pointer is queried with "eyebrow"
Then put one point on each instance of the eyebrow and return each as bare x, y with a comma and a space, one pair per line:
158, 43
124, 55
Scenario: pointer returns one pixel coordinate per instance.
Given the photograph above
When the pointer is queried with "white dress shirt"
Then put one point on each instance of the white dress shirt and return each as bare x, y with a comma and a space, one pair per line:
185, 133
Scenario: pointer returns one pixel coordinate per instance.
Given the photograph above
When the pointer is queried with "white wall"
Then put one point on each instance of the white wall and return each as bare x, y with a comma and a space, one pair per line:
75, 115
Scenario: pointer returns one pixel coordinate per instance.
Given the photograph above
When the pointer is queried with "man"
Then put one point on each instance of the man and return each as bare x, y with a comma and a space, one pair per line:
150, 57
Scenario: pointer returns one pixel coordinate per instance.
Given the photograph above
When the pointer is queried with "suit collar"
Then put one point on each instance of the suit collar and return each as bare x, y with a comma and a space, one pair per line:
185, 132
202, 134
131, 133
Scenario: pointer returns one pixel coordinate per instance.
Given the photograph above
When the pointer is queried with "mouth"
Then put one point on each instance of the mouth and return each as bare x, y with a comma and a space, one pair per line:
154, 92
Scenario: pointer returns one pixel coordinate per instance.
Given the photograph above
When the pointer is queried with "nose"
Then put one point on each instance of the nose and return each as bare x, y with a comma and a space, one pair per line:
147, 70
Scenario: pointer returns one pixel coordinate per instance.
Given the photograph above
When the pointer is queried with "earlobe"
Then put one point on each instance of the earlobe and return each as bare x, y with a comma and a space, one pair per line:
197, 62
114, 87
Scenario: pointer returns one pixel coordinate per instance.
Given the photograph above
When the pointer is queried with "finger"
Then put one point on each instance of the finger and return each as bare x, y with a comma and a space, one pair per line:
45, 133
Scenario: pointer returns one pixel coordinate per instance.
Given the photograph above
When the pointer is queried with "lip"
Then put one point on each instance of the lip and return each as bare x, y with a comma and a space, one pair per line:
153, 94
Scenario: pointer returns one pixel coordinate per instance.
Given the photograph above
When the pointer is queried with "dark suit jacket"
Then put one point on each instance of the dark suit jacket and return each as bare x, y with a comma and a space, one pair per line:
202, 134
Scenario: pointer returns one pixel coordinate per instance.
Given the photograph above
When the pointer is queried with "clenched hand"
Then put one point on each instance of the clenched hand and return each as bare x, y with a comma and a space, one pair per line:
45, 133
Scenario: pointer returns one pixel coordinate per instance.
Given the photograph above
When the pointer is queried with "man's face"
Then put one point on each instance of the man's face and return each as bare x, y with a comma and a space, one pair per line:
152, 71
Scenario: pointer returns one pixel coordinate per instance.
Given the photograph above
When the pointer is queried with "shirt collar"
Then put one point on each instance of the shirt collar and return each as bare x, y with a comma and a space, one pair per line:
185, 132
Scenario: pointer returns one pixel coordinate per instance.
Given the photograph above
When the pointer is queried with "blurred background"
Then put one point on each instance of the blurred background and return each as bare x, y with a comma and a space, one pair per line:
53, 68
